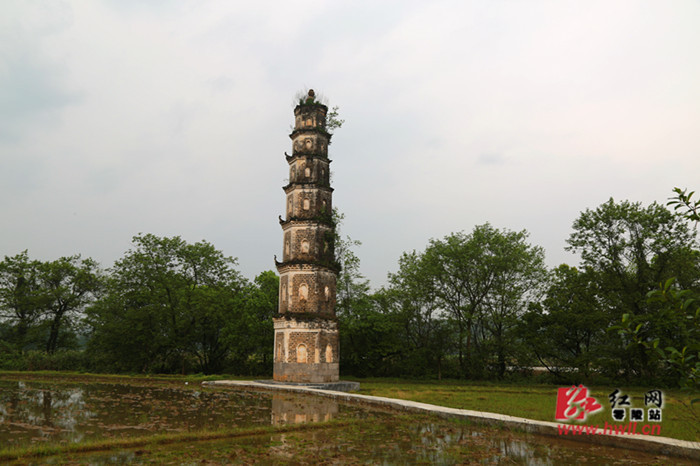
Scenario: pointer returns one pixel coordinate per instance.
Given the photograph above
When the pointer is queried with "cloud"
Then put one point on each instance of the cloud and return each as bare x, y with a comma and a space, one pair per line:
33, 89
490, 159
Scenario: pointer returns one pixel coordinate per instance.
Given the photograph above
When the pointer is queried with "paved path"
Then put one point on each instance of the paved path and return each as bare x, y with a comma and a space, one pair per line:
647, 443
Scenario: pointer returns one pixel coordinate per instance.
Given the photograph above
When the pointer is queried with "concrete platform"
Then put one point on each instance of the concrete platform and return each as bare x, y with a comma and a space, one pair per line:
340, 386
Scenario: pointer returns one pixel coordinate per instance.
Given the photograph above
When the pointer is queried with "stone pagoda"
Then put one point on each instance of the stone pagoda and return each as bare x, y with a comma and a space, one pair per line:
306, 331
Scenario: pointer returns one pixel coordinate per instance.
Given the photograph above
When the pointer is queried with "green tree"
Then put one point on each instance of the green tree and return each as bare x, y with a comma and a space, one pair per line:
167, 302
67, 286
19, 290
426, 336
251, 334
44, 301
565, 330
632, 249
368, 333
678, 310
352, 288
518, 281
484, 280
684, 205
371, 343
683, 306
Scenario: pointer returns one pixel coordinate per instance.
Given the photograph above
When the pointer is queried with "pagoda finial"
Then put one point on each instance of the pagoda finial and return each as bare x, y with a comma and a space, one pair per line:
312, 96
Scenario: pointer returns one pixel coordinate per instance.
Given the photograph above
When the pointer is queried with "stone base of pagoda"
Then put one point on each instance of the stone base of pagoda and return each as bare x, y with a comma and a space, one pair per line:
340, 386
306, 350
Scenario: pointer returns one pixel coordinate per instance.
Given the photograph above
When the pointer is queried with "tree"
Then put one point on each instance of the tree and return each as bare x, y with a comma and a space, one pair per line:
679, 310
67, 286
425, 333
352, 288
251, 335
333, 121
43, 301
366, 332
172, 301
683, 306
684, 205
518, 282
371, 342
484, 280
564, 331
19, 308
632, 249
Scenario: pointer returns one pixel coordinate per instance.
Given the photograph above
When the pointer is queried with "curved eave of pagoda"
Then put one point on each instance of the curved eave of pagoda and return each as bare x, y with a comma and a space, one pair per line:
292, 186
320, 131
305, 222
309, 104
305, 155
307, 316
306, 265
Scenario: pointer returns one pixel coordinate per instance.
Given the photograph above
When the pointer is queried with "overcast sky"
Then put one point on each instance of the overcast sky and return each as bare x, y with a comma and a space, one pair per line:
173, 117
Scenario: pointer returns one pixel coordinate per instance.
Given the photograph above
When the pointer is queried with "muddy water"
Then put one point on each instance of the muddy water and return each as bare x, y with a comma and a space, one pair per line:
400, 439
34, 411
37, 411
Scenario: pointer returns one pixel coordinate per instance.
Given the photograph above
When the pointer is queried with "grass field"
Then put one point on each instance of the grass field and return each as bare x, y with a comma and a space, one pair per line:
680, 419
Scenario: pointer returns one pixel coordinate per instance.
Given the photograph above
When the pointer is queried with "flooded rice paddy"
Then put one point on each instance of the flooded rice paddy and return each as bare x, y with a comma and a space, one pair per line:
73, 412
40, 411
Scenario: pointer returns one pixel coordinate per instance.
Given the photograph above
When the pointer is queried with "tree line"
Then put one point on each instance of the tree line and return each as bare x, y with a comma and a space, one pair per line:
476, 305
483, 305
165, 307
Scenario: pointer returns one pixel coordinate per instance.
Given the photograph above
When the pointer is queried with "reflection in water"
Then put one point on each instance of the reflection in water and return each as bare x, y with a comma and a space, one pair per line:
527, 453
290, 409
295, 409
38, 411
46, 407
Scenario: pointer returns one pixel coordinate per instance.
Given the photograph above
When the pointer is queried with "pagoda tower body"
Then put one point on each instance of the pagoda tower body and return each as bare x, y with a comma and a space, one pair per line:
306, 331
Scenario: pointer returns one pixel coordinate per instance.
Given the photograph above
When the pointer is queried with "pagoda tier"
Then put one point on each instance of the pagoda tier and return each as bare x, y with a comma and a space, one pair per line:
308, 241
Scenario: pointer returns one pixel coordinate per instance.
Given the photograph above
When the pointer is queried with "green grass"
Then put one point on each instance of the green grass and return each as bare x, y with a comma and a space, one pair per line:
69, 376
538, 402
56, 448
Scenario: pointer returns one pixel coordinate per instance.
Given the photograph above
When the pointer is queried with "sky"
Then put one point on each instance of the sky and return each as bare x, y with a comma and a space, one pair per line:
172, 117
